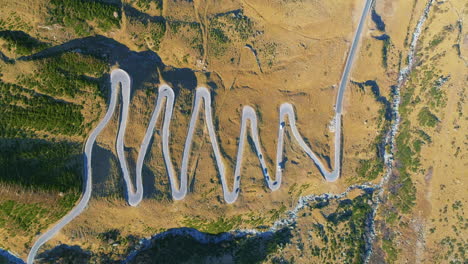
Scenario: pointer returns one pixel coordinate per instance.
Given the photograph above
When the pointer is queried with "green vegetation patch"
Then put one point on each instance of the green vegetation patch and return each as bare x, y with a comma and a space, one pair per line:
239, 25
219, 36
424, 136
339, 239
31, 217
157, 31
79, 64
427, 118
407, 100
226, 224
390, 250
438, 98
38, 164
186, 249
175, 26
21, 43
232, 27
387, 44
269, 51
78, 15
67, 74
353, 216
22, 111
436, 41
410, 141
23, 216
439, 38
403, 192
370, 169
197, 42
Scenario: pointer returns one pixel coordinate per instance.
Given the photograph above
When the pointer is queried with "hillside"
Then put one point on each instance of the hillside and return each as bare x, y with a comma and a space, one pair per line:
390, 203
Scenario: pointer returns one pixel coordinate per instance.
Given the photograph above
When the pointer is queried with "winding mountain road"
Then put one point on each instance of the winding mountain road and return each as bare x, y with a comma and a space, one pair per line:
202, 96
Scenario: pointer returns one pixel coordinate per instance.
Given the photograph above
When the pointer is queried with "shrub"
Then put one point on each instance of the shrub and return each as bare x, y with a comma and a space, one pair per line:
427, 118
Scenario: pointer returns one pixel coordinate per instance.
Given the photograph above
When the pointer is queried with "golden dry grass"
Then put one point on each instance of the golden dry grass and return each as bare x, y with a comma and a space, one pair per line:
301, 47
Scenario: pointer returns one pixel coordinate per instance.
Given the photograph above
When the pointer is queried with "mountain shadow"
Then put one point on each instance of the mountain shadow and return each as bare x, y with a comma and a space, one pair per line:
142, 66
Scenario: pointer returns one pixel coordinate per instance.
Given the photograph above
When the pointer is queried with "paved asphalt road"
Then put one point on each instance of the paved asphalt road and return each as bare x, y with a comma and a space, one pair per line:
117, 74
350, 59
249, 117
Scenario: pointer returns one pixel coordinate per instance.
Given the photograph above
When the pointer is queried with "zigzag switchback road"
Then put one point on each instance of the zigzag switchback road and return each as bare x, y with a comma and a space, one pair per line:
166, 96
